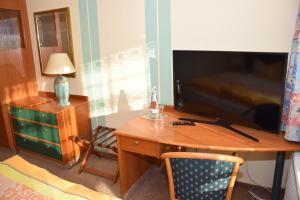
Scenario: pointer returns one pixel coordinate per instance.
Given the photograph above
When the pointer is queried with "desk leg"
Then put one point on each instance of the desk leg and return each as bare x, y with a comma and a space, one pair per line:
131, 167
278, 175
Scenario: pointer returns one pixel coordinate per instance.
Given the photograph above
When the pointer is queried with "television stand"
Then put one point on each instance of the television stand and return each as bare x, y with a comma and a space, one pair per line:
221, 123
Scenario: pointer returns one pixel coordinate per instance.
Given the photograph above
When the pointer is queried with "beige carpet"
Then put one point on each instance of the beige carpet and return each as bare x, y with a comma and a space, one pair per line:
152, 186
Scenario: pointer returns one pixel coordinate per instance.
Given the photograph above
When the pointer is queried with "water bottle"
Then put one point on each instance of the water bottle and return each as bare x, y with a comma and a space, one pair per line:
179, 101
154, 106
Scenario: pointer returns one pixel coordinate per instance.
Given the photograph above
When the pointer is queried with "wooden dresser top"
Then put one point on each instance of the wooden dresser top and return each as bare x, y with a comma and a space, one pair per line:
46, 102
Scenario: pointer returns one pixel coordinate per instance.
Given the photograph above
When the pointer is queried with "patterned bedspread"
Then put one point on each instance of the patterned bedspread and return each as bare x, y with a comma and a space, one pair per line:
10, 189
22, 180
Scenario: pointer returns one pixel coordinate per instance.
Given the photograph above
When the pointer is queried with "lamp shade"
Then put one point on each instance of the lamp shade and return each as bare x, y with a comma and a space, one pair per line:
59, 63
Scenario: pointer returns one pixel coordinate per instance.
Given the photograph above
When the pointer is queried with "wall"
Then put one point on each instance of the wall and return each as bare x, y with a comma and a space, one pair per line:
233, 25
123, 48
46, 83
115, 59
124, 61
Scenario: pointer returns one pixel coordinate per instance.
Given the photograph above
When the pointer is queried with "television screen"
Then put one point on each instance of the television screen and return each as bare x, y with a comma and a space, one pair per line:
244, 88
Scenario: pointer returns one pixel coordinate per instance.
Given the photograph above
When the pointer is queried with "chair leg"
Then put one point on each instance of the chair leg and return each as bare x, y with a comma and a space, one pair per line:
116, 177
99, 173
85, 158
162, 166
106, 155
89, 145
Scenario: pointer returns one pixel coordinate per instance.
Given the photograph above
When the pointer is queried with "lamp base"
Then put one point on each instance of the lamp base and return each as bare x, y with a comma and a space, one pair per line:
62, 90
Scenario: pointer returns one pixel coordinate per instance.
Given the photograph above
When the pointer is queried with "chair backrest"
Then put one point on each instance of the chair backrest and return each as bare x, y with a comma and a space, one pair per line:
201, 175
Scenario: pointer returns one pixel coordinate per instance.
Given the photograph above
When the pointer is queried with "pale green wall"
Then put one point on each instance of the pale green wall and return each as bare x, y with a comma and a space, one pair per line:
91, 59
157, 42
158, 33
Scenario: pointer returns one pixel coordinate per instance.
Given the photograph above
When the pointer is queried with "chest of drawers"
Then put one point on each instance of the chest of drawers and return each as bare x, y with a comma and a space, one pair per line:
42, 126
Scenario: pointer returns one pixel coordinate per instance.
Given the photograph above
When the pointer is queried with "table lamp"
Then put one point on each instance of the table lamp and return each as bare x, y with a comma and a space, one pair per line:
59, 64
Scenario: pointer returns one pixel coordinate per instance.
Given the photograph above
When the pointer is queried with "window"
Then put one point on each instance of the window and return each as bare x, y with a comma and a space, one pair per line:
11, 32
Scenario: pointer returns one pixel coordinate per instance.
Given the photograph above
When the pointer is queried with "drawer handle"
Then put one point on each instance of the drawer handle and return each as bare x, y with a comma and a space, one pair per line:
24, 140
44, 130
137, 142
19, 111
43, 115
47, 146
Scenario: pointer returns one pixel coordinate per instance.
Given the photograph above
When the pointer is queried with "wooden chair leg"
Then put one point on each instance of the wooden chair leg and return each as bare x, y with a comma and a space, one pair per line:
106, 155
162, 166
85, 158
116, 176
89, 145
99, 173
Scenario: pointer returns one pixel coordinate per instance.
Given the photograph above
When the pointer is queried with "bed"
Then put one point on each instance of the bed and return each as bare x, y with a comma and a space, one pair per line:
21, 180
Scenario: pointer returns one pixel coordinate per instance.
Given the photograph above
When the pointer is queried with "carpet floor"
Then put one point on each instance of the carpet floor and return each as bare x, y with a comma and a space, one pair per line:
152, 186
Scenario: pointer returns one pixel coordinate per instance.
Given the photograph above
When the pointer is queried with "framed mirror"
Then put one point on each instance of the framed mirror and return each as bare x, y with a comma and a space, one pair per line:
53, 30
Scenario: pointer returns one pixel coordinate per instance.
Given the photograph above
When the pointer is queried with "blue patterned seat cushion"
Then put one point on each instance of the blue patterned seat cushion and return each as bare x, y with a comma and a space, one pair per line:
201, 179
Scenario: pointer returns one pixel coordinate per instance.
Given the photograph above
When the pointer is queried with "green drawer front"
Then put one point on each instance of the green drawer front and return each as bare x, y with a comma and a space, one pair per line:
33, 115
36, 130
39, 147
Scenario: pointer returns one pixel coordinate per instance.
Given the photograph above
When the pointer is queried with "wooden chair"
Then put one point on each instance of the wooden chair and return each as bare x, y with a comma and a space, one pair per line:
201, 175
102, 137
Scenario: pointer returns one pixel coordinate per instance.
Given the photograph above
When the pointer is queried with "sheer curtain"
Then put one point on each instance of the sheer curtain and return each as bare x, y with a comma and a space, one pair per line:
291, 105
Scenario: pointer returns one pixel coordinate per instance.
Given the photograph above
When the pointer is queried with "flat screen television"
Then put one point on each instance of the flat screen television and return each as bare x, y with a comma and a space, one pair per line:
243, 88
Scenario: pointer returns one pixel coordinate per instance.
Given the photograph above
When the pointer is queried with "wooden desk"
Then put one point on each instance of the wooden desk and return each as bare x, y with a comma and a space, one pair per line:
140, 139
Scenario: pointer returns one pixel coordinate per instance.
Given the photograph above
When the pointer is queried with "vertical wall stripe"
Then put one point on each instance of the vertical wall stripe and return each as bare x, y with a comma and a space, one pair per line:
91, 58
151, 39
165, 52
85, 38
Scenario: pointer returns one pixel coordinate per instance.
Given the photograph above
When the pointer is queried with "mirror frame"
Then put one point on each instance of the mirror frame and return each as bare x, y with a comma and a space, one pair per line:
66, 10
